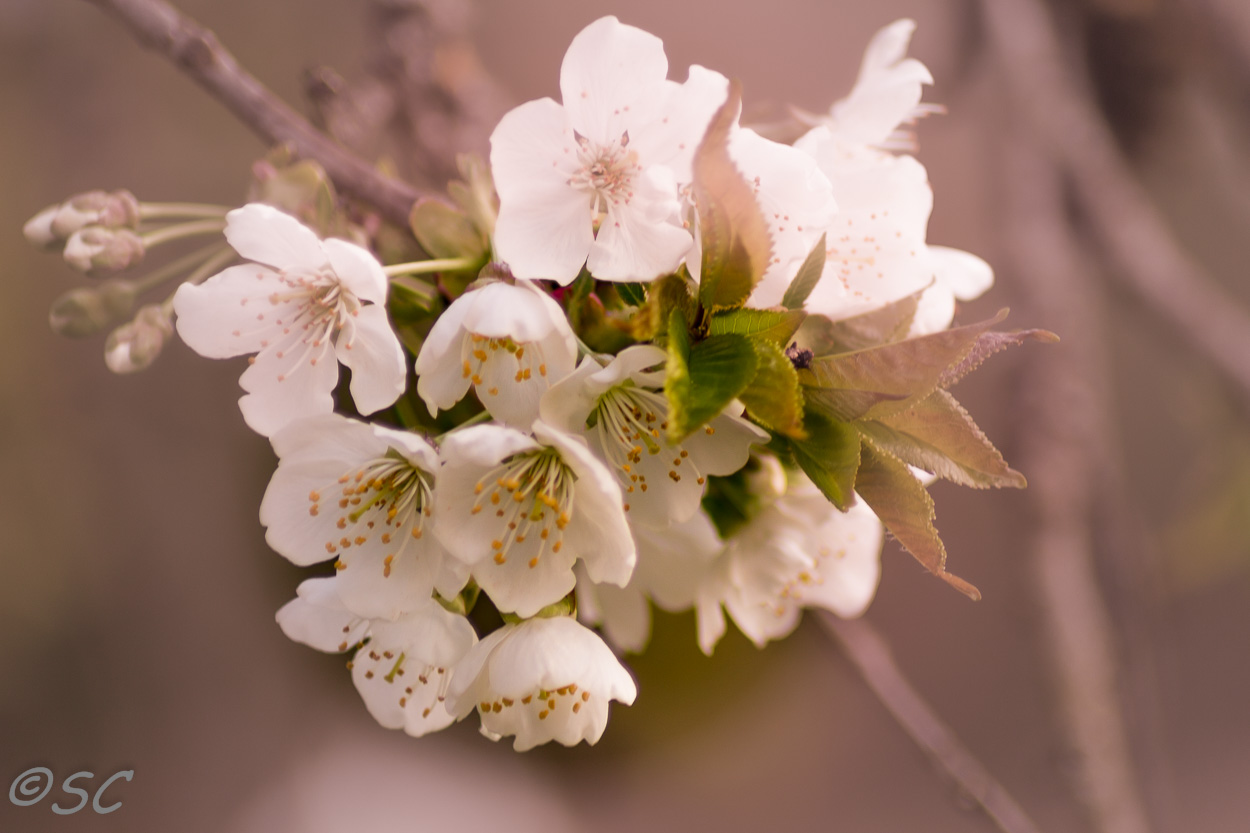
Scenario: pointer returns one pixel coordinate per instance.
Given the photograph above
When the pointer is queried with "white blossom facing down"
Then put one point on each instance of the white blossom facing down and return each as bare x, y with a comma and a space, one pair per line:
509, 342
303, 307
798, 552
595, 180
360, 494
520, 510
403, 668
672, 565
622, 411
543, 679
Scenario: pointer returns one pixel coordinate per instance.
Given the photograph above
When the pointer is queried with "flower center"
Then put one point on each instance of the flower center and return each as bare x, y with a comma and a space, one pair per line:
323, 312
483, 362
544, 702
630, 421
606, 172
388, 497
532, 497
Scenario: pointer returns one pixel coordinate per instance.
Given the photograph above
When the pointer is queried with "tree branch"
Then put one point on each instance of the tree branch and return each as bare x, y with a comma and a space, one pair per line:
1064, 436
1138, 240
197, 52
869, 653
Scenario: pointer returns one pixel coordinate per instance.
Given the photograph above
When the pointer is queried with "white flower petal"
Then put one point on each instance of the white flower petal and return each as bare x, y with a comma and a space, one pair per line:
372, 351
642, 238
609, 69
316, 618
284, 386
266, 235
218, 318
357, 269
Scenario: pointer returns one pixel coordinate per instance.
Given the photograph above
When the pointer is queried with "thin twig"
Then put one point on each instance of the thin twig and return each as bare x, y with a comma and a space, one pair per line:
197, 52
1064, 433
869, 653
1148, 257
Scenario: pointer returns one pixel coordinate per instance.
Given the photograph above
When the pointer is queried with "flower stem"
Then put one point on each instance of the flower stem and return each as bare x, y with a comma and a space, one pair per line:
420, 267
482, 416
165, 210
212, 265
181, 230
174, 267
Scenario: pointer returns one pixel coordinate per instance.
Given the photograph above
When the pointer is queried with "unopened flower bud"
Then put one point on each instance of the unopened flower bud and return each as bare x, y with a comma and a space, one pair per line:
99, 248
56, 223
92, 309
133, 347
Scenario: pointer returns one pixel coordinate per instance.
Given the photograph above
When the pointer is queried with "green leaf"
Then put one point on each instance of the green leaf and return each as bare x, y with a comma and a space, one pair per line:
908, 370
700, 380
736, 244
806, 278
777, 326
871, 329
730, 502
846, 405
774, 398
904, 506
939, 436
829, 456
634, 294
446, 232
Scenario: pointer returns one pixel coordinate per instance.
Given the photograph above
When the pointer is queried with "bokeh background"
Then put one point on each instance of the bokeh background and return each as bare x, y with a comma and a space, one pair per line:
137, 594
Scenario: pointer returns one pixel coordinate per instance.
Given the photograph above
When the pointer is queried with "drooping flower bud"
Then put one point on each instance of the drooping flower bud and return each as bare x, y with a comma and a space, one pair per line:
100, 248
91, 309
134, 346
55, 224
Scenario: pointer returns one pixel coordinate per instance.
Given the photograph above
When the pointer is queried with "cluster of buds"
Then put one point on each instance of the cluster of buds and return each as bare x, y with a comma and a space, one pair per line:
659, 359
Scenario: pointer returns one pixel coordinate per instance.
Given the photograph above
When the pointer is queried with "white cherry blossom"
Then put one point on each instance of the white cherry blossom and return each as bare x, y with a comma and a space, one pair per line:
876, 243
520, 510
403, 668
509, 342
595, 180
360, 494
798, 552
622, 410
303, 307
672, 565
542, 679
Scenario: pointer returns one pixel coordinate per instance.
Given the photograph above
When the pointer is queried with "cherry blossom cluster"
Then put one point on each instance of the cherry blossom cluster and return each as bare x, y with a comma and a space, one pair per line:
525, 425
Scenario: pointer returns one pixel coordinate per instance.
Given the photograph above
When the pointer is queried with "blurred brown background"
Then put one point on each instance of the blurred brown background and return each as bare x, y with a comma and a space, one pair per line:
137, 594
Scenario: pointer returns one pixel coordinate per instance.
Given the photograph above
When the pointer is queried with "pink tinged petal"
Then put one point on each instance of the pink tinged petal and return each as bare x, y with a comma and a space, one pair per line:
796, 200
608, 69
641, 238
371, 349
934, 311
318, 619
282, 389
849, 568
965, 274
544, 226
231, 314
266, 235
683, 118
887, 91
358, 271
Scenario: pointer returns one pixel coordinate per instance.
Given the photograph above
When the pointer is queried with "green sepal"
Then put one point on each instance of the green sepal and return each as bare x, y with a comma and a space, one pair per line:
936, 434
829, 455
904, 506
703, 378
565, 607
736, 244
475, 192
633, 294
806, 278
774, 398
447, 232
777, 326
730, 502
